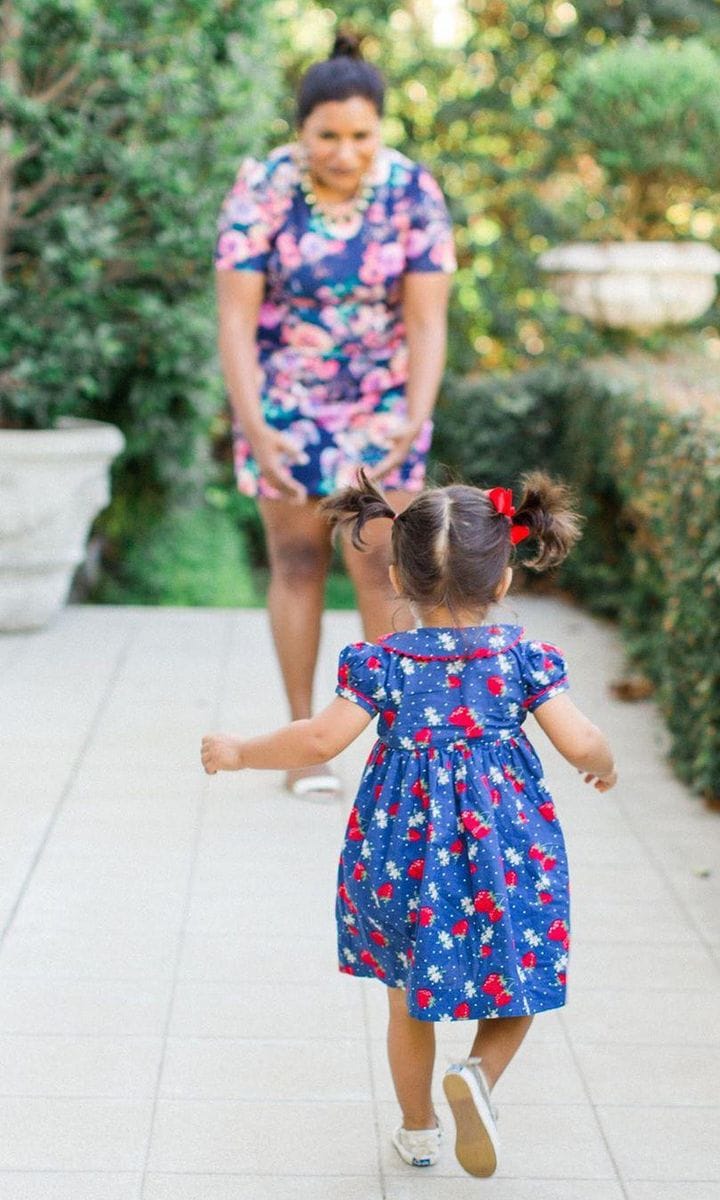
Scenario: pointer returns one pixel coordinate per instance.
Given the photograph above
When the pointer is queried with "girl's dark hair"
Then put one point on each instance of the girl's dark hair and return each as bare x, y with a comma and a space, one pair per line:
451, 546
343, 75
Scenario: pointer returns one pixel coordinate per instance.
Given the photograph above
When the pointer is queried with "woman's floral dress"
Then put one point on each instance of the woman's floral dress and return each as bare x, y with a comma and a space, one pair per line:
331, 341
453, 879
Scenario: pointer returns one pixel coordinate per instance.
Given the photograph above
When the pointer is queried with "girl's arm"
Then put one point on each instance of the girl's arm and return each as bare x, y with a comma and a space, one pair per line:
578, 740
240, 294
425, 300
301, 744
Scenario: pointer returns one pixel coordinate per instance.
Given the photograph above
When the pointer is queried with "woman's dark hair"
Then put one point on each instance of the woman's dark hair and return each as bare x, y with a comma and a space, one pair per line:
343, 75
451, 546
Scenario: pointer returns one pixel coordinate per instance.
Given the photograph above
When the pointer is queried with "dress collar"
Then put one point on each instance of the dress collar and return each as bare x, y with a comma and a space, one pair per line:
433, 643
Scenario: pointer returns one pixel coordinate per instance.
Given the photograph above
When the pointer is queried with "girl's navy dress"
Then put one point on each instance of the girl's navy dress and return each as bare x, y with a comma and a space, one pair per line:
453, 879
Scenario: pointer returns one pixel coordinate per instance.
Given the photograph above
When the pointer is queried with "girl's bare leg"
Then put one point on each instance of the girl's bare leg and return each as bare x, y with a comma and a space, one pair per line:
380, 609
411, 1054
299, 548
497, 1042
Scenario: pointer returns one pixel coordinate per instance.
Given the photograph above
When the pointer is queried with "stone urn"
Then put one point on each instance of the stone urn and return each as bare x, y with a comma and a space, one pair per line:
53, 483
639, 286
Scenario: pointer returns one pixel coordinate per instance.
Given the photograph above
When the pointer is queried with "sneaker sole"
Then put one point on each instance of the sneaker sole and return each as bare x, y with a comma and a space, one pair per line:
474, 1149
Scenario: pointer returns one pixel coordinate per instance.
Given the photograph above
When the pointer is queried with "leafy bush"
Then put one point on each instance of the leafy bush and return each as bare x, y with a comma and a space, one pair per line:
649, 115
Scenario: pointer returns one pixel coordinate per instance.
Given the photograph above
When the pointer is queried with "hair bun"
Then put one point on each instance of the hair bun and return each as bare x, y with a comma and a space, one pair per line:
346, 45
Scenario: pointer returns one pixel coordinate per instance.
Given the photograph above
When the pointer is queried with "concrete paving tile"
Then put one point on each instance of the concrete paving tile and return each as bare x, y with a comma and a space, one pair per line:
51, 1134
552, 1141
636, 1016
40, 1065
65, 1185
235, 957
635, 921
89, 1007
240, 1069
672, 1189
631, 965
260, 1187
90, 953
663, 1143
311, 1138
265, 1010
429, 1185
627, 1074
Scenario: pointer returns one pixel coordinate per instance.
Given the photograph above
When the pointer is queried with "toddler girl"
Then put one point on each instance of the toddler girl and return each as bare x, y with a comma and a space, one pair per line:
453, 879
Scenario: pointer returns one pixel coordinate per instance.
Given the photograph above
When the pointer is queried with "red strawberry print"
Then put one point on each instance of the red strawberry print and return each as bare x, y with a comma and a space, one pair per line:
474, 823
536, 852
465, 719
423, 737
421, 793
416, 868
460, 929
496, 914
424, 997
453, 680
495, 685
485, 951
511, 879
529, 960
389, 717
414, 834
493, 985
547, 810
345, 897
559, 932
377, 791
343, 675
456, 847
462, 1012
393, 809
412, 917
378, 938
484, 901
347, 969
368, 958
460, 786
545, 897
549, 862
353, 929
385, 891
429, 831
502, 998
562, 978
359, 871
427, 916
373, 663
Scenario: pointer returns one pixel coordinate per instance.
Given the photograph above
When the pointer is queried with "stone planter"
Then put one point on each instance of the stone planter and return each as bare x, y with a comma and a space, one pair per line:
633, 285
53, 483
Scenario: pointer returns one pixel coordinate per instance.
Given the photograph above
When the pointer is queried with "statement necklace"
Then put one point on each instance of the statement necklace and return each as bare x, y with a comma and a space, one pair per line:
346, 213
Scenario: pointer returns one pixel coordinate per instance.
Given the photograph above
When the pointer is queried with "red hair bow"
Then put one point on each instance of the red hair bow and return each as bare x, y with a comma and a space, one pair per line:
502, 501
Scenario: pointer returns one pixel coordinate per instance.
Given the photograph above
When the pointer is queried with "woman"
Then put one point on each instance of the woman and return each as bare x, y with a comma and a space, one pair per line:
333, 266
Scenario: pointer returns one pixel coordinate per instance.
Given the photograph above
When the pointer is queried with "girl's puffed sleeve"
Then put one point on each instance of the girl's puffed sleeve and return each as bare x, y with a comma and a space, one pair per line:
360, 675
544, 674
245, 226
429, 245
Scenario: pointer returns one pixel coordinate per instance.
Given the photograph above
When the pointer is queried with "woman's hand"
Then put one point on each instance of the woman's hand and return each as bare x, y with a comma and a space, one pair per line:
220, 752
272, 450
401, 443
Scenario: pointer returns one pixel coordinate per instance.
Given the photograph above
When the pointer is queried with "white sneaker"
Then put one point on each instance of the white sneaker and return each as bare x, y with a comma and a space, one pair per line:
418, 1147
476, 1136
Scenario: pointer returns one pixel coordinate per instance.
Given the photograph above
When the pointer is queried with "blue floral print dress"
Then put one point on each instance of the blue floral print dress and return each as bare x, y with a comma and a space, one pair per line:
453, 879
331, 341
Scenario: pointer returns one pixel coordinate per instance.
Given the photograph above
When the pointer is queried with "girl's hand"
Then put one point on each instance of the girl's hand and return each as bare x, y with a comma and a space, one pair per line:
602, 783
272, 450
220, 752
401, 442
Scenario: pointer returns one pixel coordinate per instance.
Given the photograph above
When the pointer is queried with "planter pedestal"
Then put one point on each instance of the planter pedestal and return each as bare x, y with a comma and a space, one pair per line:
633, 285
53, 483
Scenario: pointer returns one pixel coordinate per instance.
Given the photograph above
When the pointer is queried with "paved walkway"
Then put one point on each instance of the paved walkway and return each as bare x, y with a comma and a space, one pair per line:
172, 1026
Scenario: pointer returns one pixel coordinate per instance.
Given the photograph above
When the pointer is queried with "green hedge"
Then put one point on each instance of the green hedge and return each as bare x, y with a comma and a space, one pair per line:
648, 482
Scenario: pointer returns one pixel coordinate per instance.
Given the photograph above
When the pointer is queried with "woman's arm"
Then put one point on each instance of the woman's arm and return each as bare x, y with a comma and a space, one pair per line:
425, 301
301, 744
240, 294
578, 740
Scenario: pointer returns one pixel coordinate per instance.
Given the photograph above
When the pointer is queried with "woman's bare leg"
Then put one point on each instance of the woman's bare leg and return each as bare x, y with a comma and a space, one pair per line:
380, 610
411, 1054
299, 548
497, 1041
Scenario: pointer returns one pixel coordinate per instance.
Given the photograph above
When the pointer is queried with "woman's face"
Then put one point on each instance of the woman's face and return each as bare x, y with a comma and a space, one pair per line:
341, 138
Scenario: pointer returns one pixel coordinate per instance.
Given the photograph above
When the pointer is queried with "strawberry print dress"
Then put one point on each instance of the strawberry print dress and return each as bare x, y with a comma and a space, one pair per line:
453, 878
332, 351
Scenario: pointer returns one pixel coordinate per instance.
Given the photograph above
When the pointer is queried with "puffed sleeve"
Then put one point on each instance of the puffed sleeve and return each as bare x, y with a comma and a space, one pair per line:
246, 223
360, 675
429, 244
544, 674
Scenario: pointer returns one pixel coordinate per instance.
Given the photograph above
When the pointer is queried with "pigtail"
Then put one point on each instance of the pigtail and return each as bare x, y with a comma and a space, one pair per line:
355, 506
547, 510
